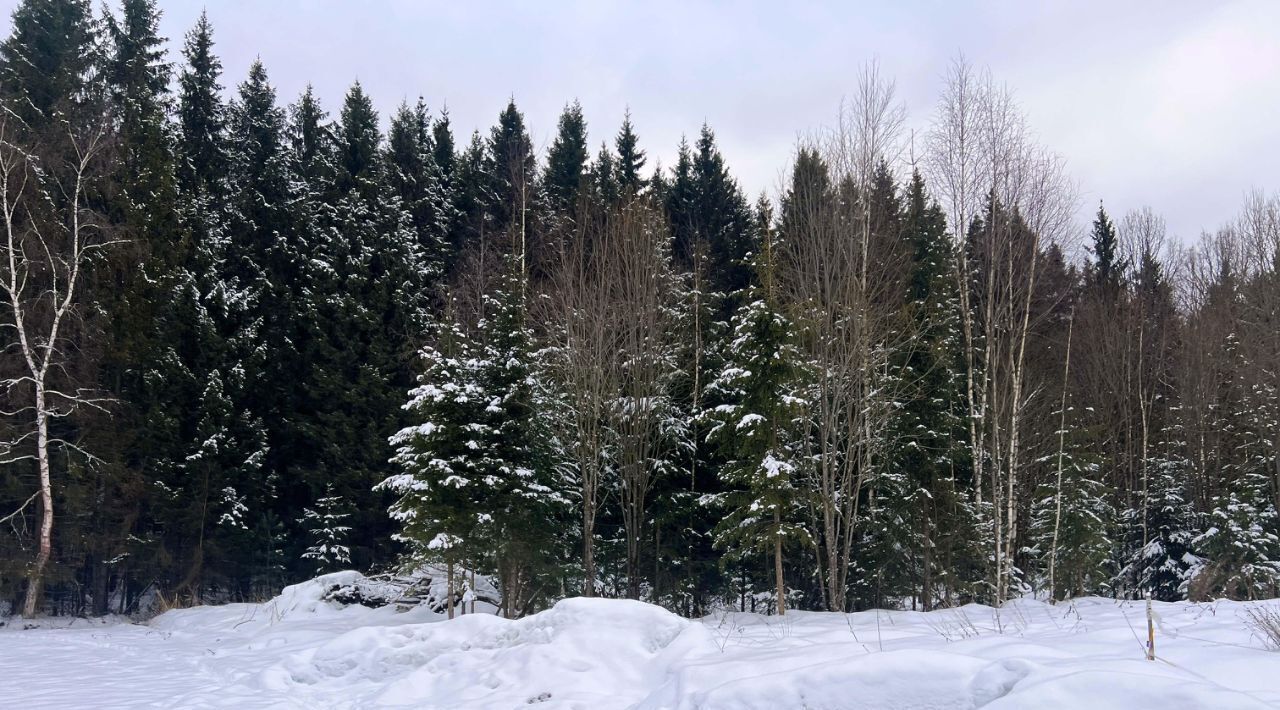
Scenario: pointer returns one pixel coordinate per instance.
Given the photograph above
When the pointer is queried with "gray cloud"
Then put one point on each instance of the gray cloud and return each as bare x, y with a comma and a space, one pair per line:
1168, 104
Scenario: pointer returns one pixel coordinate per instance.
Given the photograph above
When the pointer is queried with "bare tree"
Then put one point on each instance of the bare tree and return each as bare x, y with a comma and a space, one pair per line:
1005, 196
841, 286
1142, 238
1258, 227
582, 321
50, 237
953, 164
636, 248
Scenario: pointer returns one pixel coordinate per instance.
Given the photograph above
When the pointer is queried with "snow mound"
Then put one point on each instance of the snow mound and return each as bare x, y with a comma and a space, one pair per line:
584, 652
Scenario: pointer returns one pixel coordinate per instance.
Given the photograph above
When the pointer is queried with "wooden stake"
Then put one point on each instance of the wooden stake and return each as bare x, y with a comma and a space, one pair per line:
1151, 632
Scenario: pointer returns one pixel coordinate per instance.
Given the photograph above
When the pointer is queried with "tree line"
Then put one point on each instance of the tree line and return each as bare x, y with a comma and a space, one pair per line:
246, 342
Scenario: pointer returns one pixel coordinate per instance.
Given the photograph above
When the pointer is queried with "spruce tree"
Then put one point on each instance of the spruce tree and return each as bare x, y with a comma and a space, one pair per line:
314, 159
442, 146
440, 500
361, 308
604, 178
201, 115
201, 376
1162, 566
472, 192
754, 407
930, 429
1240, 547
139, 335
1071, 521
509, 166
46, 62
326, 526
1240, 544
631, 158
478, 467
418, 181
1108, 267
262, 266
566, 160
705, 206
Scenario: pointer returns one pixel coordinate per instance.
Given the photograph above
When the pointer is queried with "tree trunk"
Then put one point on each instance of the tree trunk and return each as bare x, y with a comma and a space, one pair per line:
449, 587
777, 566
1062, 434
588, 550
36, 578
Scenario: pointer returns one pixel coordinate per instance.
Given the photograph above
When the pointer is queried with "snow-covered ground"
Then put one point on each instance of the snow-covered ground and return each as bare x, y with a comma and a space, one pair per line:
299, 651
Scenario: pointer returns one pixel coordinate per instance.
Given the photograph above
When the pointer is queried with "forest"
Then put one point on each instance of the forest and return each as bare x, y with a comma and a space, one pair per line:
245, 341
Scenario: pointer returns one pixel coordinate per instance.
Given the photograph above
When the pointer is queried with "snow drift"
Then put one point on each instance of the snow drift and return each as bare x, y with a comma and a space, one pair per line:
301, 650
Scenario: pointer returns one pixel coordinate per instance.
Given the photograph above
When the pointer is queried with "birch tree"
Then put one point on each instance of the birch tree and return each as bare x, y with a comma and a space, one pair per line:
842, 285
51, 237
1007, 198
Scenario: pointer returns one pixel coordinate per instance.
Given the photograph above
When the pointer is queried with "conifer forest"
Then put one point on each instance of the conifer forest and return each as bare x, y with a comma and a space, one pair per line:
248, 338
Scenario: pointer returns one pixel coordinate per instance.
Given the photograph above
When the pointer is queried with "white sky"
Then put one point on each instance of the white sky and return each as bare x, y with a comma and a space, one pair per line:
1172, 104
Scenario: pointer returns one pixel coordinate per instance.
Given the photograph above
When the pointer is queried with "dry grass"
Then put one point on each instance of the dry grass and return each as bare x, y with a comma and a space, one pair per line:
1264, 621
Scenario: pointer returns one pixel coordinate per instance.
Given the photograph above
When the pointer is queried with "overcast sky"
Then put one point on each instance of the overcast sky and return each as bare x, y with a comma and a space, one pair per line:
1170, 104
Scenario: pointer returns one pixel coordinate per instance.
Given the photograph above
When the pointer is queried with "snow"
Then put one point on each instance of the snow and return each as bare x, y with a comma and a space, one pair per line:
299, 651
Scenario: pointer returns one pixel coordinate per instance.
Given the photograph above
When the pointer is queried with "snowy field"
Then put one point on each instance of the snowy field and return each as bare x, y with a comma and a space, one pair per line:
300, 652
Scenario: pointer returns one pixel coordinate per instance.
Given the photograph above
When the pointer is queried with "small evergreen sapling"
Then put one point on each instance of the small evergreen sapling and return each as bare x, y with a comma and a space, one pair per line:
325, 524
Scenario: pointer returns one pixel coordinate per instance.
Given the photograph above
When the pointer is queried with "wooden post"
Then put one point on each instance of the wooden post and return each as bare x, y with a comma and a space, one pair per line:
449, 588
1151, 632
